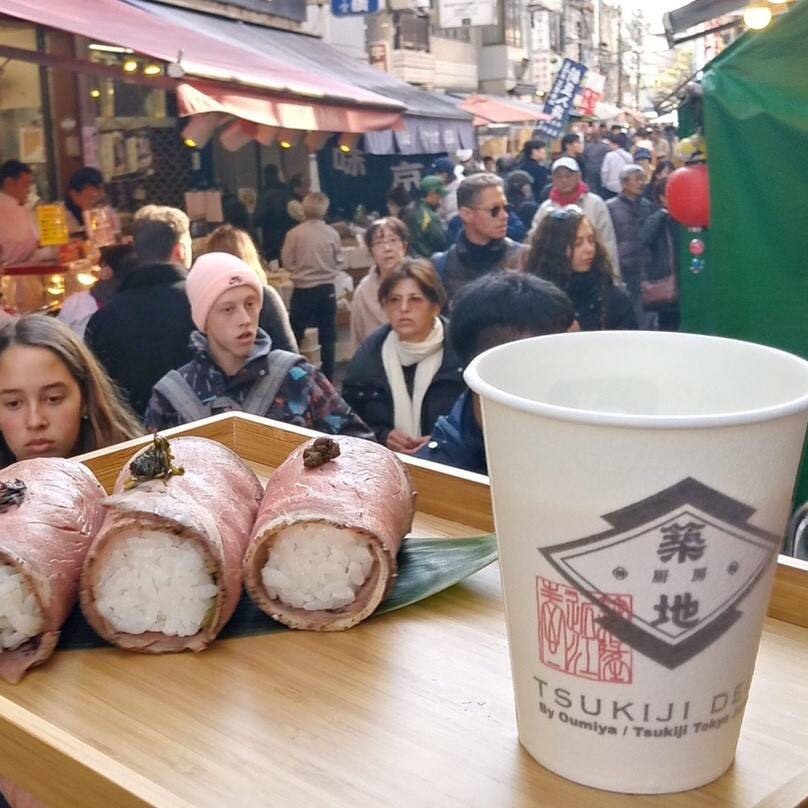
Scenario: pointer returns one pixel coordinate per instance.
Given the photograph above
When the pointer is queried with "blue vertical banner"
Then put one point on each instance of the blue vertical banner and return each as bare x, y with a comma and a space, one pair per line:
559, 103
347, 8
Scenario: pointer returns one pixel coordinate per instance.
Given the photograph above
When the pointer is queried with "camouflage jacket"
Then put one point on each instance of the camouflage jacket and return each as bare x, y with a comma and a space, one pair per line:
305, 398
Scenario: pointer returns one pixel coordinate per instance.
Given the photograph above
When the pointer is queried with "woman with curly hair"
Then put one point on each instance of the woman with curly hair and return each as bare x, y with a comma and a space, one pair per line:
566, 252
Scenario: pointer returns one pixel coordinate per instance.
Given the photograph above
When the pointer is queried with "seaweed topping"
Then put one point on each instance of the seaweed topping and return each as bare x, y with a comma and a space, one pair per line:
320, 452
11, 493
156, 463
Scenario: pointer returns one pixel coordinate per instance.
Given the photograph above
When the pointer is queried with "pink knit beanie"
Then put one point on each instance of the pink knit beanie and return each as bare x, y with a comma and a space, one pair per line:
212, 274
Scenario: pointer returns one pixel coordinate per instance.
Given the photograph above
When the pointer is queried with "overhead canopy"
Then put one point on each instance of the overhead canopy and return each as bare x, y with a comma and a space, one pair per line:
755, 100
286, 83
695, 13
489, 109
432, 122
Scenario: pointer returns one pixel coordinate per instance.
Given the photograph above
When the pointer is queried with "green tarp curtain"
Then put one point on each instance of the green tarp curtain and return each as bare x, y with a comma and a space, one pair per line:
756, 124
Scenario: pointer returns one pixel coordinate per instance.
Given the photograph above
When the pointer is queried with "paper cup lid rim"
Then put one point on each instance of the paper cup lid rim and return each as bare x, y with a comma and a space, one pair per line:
603, 418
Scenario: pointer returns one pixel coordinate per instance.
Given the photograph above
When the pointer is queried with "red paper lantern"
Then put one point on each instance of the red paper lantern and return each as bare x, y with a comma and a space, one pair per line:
688, 194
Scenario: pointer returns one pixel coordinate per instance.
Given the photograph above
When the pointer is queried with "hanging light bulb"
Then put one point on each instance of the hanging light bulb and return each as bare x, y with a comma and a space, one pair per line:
129, 66
152, 69
95, 93
757, 15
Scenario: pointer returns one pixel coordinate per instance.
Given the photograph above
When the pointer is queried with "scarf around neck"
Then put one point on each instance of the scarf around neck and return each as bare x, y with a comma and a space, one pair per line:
396, 355
569, 199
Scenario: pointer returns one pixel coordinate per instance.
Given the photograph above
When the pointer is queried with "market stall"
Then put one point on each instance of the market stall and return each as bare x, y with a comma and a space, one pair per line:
753, 282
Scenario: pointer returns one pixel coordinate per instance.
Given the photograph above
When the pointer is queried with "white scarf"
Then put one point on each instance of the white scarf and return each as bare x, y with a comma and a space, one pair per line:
428, 355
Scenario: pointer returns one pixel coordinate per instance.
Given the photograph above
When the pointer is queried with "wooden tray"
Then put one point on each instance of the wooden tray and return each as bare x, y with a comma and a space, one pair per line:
409, 709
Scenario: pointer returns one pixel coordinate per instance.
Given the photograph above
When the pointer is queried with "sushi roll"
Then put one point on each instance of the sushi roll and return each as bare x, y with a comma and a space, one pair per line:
164, 572
323, 551
49, 513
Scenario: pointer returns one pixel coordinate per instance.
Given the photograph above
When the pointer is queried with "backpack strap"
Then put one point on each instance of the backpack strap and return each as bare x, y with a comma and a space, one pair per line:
263, 392
181, 396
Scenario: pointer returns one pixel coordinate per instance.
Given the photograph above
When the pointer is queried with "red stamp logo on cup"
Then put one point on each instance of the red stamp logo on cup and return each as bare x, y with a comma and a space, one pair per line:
572, 639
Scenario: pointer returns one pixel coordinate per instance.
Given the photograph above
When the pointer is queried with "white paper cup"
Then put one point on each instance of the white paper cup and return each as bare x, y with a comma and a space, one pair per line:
641, 485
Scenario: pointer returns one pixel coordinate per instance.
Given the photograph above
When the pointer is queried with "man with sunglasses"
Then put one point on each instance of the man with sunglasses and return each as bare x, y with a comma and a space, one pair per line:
483, 245
569, 190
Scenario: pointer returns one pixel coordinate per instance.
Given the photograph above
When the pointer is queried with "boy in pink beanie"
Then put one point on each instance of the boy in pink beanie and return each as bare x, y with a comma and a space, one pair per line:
234, 366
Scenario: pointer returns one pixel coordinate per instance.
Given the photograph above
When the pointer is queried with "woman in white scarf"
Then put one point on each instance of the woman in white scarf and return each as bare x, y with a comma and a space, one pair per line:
404, 375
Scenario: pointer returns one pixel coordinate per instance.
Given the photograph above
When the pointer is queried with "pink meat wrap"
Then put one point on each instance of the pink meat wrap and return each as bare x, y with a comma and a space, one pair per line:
213, 503
367, 489
46, 538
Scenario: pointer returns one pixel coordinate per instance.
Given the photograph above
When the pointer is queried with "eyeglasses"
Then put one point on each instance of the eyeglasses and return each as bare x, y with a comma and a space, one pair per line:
560, 214
496, 210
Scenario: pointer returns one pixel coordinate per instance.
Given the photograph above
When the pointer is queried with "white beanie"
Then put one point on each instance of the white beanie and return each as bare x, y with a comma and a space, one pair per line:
210, 276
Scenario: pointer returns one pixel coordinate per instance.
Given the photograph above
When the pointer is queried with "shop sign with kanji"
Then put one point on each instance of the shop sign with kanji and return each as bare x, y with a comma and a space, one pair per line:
346, 8
682, 562
558, 105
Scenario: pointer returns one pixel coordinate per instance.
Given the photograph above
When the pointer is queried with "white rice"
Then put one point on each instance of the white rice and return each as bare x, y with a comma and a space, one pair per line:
316, 566
155, 582
20, 615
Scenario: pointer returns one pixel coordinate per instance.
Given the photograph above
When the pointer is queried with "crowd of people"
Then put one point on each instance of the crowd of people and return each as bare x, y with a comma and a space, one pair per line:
480, 258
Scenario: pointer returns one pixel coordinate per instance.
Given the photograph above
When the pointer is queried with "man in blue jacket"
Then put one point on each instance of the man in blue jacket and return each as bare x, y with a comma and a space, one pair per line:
497, 308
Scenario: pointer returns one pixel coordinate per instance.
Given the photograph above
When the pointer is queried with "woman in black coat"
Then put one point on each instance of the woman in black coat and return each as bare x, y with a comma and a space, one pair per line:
660, 234
406, 374
566, 251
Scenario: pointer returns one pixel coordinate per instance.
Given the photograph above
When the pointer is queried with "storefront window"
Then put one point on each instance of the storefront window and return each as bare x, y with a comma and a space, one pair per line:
22, 132
508, 30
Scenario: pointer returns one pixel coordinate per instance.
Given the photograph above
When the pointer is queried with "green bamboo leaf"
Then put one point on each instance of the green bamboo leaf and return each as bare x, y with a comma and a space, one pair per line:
425, 567
428, 566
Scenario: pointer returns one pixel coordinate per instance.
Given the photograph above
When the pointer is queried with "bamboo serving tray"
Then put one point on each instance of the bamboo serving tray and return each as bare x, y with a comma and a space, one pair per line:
413, 709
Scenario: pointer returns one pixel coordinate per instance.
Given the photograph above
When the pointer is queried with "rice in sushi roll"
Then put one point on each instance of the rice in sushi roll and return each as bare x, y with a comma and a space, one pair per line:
323, 551
164, 573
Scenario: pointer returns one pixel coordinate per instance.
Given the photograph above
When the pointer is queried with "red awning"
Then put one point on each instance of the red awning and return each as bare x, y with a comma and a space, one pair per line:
195, 97
288, 94
487, 109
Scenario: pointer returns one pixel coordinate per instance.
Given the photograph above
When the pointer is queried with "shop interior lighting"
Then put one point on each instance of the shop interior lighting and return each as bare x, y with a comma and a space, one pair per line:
757, 15
200, 128
347, 142
152, 69
130, 66
95, 93
95, 46
288, 138
86, 278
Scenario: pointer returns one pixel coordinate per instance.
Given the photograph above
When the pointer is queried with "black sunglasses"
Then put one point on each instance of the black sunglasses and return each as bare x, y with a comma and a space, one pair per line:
496, 210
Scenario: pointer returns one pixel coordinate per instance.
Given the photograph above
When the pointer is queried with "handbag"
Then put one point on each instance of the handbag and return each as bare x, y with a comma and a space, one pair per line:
656, 294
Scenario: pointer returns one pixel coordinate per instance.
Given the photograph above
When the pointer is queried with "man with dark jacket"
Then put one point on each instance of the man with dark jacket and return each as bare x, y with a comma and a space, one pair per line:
660, 234
628, 211
143, 332
595, 152
534, 155
495, 309
482, 245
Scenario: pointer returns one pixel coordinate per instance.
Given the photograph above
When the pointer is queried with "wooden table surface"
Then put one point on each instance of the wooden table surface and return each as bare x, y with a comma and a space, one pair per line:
413, 709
